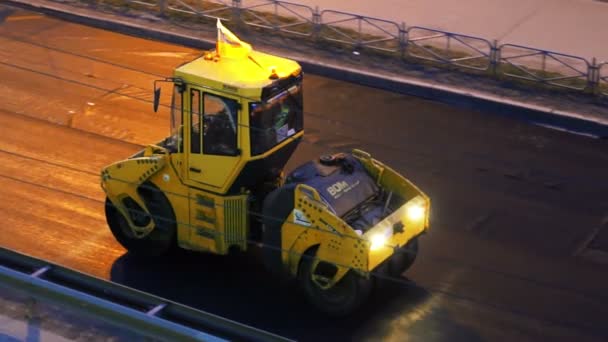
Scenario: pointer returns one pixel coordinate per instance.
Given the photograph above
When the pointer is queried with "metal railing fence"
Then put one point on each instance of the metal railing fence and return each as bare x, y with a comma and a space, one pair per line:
544, 66
211, 9
449, 48
395, 39
360, 31
278, 16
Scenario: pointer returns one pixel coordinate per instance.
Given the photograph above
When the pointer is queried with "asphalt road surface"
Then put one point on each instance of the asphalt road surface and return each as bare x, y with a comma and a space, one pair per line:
515, 206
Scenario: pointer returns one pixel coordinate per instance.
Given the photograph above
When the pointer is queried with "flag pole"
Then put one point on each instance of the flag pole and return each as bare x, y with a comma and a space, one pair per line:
217, 42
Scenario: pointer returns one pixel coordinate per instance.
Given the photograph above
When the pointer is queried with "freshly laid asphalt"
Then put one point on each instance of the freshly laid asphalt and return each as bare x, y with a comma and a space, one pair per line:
515, 206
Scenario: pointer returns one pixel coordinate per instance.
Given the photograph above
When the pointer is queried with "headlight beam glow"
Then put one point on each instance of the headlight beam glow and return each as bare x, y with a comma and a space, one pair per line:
378, 241
416, 212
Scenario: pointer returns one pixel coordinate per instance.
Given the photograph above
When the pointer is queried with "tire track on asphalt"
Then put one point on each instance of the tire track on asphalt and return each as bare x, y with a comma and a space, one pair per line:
440, 288
445, 288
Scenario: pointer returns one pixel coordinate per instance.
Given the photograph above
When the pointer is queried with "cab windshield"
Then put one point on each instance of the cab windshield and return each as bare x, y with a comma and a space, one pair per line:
275, 119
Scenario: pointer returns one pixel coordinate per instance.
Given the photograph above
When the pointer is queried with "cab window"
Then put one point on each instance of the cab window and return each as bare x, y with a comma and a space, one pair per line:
219, 125
275, 119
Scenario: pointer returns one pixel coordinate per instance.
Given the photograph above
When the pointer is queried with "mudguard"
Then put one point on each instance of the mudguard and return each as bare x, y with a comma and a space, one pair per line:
121, 180
324, 192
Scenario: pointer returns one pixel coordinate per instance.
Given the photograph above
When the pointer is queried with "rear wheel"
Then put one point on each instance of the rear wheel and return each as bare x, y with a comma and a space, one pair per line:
276, 209
341, 299
161, 240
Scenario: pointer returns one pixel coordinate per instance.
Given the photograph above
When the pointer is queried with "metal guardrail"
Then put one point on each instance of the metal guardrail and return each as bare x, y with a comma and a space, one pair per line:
450, 48
148, 314
416, 42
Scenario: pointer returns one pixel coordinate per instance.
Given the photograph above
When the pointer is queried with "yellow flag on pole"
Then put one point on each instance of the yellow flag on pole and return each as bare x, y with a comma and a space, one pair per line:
229, 45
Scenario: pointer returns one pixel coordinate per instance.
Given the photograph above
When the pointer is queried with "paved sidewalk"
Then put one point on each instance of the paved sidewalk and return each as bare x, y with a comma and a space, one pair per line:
569, 110
575, 27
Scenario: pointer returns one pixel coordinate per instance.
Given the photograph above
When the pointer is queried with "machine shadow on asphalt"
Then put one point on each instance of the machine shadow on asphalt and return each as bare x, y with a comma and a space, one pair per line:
239, 288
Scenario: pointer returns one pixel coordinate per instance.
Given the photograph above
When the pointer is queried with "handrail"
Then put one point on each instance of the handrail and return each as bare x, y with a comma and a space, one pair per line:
148, 314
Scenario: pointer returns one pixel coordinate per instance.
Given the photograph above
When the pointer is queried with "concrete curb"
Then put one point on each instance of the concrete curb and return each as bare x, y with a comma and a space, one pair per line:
542, 115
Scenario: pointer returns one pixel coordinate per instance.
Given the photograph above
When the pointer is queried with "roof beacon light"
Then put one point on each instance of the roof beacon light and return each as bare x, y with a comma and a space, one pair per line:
273, 73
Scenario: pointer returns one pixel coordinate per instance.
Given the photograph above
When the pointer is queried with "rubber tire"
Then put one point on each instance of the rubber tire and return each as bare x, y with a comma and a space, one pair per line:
403, 259
162, 240
354, 288
276, 209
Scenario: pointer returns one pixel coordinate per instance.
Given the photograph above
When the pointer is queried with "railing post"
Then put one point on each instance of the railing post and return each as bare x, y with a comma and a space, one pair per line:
316, 24
494, 57
544, 65
600, 87
162, 8
359, 42
237, 12
403, 38
593, 77
275, 22
448, 47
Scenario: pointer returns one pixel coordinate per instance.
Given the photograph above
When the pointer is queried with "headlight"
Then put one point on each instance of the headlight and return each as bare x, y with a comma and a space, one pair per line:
416, 212
378, 240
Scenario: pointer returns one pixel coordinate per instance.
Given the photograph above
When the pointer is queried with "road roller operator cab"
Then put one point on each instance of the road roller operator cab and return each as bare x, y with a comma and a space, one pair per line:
217, 183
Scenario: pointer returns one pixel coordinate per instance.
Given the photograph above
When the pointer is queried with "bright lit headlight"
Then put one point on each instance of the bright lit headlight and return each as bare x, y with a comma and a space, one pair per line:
416, 212
378, 241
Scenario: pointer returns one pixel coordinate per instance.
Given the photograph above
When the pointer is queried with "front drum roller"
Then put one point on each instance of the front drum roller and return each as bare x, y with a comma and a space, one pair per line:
403, 259
340, 300
161, 240
275, 211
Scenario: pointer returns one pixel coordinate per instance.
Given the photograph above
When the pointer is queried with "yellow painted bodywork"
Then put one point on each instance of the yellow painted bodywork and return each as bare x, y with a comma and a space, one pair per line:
337, 242
121, 180
209, 219
241, 80
205, 221
392, 180
242, 77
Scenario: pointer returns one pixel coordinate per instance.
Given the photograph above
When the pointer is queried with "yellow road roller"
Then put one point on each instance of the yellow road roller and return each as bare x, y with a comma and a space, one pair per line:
217, 184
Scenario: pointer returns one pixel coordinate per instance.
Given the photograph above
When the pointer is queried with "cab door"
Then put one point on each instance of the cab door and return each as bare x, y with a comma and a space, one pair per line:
214, 151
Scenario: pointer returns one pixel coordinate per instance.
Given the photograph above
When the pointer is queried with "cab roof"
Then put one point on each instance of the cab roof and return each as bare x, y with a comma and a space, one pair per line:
245, 75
